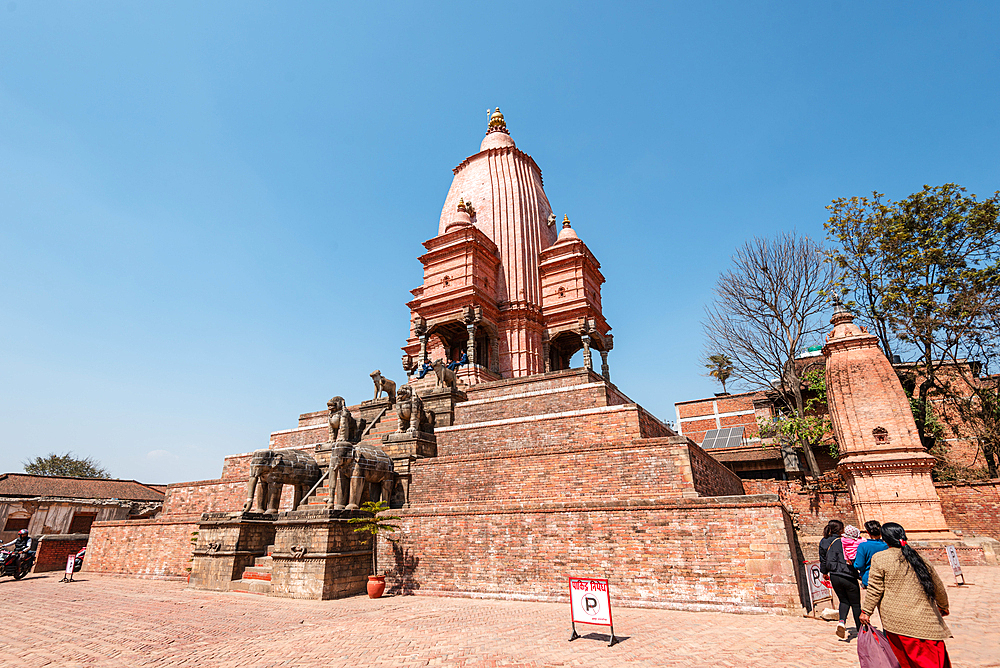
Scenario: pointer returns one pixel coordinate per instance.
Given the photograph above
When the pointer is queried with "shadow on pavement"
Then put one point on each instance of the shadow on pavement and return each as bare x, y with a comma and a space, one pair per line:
606, 637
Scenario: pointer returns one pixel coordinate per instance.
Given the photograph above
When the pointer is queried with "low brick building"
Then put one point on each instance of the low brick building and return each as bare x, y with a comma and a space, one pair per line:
61, 510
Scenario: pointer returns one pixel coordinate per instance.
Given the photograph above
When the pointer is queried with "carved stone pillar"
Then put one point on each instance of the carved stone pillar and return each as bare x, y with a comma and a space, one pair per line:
546, 351
587, 360
423, 349
494, 354
605, 370
470, 348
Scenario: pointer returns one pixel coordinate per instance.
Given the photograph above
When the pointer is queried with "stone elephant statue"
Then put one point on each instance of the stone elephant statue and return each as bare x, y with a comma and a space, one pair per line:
352, 468
271, 470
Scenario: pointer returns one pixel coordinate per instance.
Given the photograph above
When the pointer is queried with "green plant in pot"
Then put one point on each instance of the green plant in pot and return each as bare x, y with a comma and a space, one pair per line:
375, 525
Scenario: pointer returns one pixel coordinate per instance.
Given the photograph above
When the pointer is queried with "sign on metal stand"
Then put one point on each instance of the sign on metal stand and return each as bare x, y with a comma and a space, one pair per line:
818, 589
70, 563
955, 566
590, 603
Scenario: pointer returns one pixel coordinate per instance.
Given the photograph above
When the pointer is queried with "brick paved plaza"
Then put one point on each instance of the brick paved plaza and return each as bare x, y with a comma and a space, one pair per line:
112, 622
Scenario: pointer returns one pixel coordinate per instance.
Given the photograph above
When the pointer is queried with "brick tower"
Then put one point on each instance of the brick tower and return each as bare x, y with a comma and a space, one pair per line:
888, 472
502, 285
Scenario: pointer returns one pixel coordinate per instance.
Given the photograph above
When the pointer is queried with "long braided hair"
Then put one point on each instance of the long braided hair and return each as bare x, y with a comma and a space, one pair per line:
895, 536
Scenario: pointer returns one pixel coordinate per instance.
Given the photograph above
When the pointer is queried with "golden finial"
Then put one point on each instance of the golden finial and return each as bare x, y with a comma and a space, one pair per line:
497, 123
565, 221
461, 204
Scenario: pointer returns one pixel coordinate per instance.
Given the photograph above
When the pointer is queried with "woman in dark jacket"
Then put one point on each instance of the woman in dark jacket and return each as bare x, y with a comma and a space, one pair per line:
841, 574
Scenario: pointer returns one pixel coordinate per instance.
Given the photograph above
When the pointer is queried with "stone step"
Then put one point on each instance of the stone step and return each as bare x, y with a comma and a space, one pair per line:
257, 573
263, 562
269, 550
250, 586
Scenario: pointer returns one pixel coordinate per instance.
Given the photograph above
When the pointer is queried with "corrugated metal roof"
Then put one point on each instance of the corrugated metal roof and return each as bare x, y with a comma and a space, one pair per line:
25, 484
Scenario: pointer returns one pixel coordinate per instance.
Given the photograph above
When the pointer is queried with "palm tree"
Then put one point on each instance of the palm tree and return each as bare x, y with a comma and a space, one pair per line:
720, 367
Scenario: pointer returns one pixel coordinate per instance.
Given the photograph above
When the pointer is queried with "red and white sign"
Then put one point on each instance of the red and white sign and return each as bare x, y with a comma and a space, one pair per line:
953, 560
818, 588
590, 601
69, 565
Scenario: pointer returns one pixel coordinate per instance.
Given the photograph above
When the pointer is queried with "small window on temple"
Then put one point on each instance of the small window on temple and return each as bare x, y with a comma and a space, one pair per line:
881, 435
447, 281
562, 292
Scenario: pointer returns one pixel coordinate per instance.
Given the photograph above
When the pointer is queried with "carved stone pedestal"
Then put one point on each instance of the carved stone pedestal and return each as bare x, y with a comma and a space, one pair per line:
415, 444
405, 449
317, 555
228, 543
442, 402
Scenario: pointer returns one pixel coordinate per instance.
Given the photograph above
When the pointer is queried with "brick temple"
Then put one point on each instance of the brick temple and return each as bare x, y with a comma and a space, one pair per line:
525, 471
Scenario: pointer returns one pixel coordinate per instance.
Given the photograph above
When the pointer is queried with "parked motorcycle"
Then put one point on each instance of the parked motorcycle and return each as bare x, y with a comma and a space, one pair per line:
78, 559
16, 564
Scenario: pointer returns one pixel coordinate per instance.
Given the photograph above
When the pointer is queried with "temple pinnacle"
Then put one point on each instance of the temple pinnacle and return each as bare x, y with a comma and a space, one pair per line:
497, 123
565, 221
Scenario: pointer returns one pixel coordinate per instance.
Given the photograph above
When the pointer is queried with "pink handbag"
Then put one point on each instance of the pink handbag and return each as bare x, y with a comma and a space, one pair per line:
874, 650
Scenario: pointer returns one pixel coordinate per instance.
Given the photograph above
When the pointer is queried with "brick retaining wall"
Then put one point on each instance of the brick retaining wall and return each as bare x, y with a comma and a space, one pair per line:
724, 553
54, 548
810, 509
973, 507
566, 471
141, 548
594, 425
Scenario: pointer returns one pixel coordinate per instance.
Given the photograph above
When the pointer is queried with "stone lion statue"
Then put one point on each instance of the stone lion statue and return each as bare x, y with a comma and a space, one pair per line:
383, 384
343, 426
411, 413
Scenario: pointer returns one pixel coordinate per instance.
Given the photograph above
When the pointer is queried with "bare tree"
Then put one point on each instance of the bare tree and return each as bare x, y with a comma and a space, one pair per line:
767, 309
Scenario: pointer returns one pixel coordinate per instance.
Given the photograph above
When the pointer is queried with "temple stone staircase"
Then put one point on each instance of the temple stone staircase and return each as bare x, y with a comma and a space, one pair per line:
257, 578
385, 422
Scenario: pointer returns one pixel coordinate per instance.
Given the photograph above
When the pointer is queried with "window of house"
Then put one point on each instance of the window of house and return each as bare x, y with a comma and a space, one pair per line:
16, 523
81, 522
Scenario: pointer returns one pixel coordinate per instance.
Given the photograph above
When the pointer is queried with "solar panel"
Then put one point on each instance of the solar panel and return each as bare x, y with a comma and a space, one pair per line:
730, 437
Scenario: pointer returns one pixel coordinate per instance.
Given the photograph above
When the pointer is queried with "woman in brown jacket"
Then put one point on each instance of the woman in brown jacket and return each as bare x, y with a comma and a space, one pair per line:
912, 602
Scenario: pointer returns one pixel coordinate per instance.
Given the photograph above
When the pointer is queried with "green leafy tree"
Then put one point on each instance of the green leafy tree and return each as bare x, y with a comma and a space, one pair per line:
767, 309
811, 429
859, 226
375, 525
66, 465
720, 367
926, 271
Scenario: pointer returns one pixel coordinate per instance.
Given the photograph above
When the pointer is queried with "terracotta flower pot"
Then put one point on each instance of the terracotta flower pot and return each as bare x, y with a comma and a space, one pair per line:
376, 586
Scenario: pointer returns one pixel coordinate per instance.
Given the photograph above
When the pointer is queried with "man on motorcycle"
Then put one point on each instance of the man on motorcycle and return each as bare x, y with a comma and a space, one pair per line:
24, 545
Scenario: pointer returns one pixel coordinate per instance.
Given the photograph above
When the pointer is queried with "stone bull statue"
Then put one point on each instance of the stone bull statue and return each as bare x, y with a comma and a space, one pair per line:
272, 469
352, 468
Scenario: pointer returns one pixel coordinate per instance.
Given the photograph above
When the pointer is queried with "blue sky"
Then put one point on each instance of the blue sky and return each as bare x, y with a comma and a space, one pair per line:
210, 213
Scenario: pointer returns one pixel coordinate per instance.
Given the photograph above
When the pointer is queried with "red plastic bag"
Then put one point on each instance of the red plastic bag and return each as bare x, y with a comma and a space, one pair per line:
874, 650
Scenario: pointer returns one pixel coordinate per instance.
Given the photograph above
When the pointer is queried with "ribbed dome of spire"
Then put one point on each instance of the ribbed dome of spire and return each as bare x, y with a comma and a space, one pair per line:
504, 185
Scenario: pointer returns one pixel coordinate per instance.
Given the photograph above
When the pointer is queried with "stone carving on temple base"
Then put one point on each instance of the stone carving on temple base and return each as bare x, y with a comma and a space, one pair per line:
270, 470
412, 416
353, 467
383, 384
